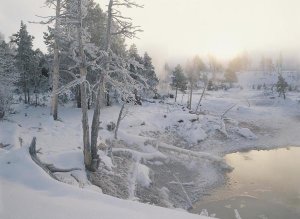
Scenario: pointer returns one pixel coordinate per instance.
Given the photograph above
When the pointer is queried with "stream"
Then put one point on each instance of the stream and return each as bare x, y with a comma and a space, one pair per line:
263, 185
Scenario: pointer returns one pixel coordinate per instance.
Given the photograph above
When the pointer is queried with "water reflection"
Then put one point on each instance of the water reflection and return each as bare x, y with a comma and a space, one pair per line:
267, 182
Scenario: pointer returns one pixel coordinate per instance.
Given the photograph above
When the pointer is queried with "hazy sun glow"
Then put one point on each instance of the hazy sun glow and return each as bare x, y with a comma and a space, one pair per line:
224, 48
175, 30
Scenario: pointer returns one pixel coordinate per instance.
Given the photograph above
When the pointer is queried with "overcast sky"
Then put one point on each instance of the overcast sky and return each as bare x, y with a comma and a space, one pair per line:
176, 29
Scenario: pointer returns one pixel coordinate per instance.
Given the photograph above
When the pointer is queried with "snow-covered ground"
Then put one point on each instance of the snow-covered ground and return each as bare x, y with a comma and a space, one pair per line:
28, 192
175, 155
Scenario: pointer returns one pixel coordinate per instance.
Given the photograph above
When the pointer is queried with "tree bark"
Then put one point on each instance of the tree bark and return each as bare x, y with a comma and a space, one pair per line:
95, 130
78, 97
107, 98
84, 105
55, 78
176, 94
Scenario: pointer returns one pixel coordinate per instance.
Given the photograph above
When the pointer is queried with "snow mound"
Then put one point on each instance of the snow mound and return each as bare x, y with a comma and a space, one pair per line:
143, 175
246, 133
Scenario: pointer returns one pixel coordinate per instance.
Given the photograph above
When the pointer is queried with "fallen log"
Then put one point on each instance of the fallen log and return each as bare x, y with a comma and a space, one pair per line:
48, 168
4, 145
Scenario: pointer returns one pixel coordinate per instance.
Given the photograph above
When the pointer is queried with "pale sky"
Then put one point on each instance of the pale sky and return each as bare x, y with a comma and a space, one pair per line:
177, 29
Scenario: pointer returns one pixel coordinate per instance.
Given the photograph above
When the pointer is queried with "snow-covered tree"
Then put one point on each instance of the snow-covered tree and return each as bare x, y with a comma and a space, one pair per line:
237, 64
144, 68
24, 59
108, 67
149, 72
8, 77
214, 66
40, 77
194, 69
57, 4
281, 86
179, 81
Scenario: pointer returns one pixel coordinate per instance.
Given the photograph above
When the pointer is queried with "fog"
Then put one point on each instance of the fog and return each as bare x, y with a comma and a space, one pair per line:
175, 30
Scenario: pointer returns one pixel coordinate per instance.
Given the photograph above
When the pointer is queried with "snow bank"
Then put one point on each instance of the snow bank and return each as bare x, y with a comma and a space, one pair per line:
26, 192
9, 133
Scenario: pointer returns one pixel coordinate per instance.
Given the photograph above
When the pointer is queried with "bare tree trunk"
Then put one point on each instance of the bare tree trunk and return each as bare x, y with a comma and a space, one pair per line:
28, 96
25, 94
24, 86
84, 105
202, 95
95, 130
119, 120
55, 77
107, 98
96, 116
108, 29
78, 97
176, 94
36, 99
85, 123
191, 95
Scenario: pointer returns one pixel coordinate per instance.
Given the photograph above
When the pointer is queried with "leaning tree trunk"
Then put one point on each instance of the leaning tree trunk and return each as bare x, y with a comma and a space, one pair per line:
202, 95
119, 121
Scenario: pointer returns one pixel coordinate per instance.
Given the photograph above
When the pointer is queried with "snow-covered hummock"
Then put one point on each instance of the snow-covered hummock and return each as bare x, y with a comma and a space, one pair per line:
246, 133
27, 192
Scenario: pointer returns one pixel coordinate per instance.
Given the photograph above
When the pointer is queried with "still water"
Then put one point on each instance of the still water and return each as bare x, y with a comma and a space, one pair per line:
263, 185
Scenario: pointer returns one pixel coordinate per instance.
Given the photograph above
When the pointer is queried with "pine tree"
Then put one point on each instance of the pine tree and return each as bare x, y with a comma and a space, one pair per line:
281, 86
179, 81
40, 76
24, 59
8, 77
149, 73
